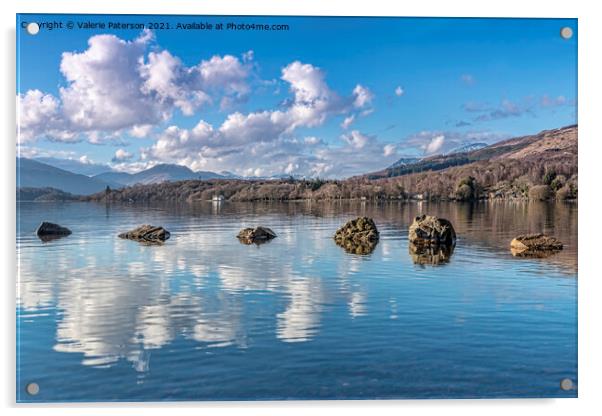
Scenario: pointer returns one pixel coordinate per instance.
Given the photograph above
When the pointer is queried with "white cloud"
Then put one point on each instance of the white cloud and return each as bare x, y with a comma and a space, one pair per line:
117, 88
116, 85
356, 139
348, 121
306, 82
85, 160
389, 150
166, 76
141, 131
312, 141
104, 90
37, 115
363, 96
122, 155
434, 145
399, 91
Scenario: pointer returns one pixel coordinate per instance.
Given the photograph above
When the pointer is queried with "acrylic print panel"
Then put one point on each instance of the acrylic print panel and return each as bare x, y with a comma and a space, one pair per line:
259, 208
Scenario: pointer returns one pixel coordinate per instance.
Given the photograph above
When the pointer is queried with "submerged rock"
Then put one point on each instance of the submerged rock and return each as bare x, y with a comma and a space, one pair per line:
49, 231
439, 254
535, 245
147, 234
257, 235
358, 236
428, 230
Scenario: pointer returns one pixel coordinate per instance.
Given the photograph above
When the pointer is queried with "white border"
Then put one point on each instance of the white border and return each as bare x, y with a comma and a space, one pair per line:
590, 152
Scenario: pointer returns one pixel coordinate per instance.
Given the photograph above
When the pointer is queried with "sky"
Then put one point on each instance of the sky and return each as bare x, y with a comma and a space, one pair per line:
325, 97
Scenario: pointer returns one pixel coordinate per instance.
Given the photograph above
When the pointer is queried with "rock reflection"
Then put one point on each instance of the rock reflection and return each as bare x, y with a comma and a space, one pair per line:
51, 237
437, 254
533, 254
361, 248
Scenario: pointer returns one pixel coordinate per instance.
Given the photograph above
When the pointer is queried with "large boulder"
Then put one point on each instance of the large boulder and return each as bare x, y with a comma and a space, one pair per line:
256, 235
358, 236
534, 245
428, 230
49, 231
147, 234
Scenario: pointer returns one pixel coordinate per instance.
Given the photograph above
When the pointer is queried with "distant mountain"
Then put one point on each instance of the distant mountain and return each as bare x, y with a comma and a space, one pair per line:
75, 166
469, 147
404, 161
34, 174
157, 174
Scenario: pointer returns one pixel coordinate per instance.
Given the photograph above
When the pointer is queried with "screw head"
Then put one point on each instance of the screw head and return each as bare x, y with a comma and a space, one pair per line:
566, 384
566, 32
32, 389
32, 28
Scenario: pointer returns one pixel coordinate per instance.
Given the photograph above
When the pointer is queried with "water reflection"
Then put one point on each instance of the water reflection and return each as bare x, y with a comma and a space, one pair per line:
357, 247
437, 254
117, 299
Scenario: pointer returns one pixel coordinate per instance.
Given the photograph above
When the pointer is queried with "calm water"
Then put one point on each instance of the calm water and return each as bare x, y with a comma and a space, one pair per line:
204, 317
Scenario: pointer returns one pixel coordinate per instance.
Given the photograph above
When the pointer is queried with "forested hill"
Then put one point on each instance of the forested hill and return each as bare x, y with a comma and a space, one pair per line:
548, 144
541, 166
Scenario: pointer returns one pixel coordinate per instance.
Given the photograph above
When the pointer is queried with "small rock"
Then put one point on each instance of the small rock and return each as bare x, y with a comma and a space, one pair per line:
256, 235
49, 231
534, 245
147, 234
358, 236
428, 230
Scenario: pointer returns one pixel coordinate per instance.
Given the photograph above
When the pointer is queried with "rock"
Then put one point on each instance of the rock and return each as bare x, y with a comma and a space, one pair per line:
49, 231
256, 235
439, 254
358, 236
427, 230
534, 245
147, 234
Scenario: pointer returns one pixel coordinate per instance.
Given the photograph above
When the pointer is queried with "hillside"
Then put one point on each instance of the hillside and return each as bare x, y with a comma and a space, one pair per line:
43, 194
548, 144
540, 166
33, 174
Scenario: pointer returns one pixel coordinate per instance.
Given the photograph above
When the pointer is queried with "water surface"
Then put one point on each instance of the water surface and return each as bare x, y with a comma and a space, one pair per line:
204, 317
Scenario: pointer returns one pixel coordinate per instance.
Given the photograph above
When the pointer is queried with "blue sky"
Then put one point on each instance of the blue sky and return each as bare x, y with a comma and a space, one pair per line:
328, 97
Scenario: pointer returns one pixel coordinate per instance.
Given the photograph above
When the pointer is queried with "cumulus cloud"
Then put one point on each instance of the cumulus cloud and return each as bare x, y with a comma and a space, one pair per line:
141, 131
242, 142
434, 145
115, 85
399, 91
118, 89
122, 155
104, 91
363, 96
37, 114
